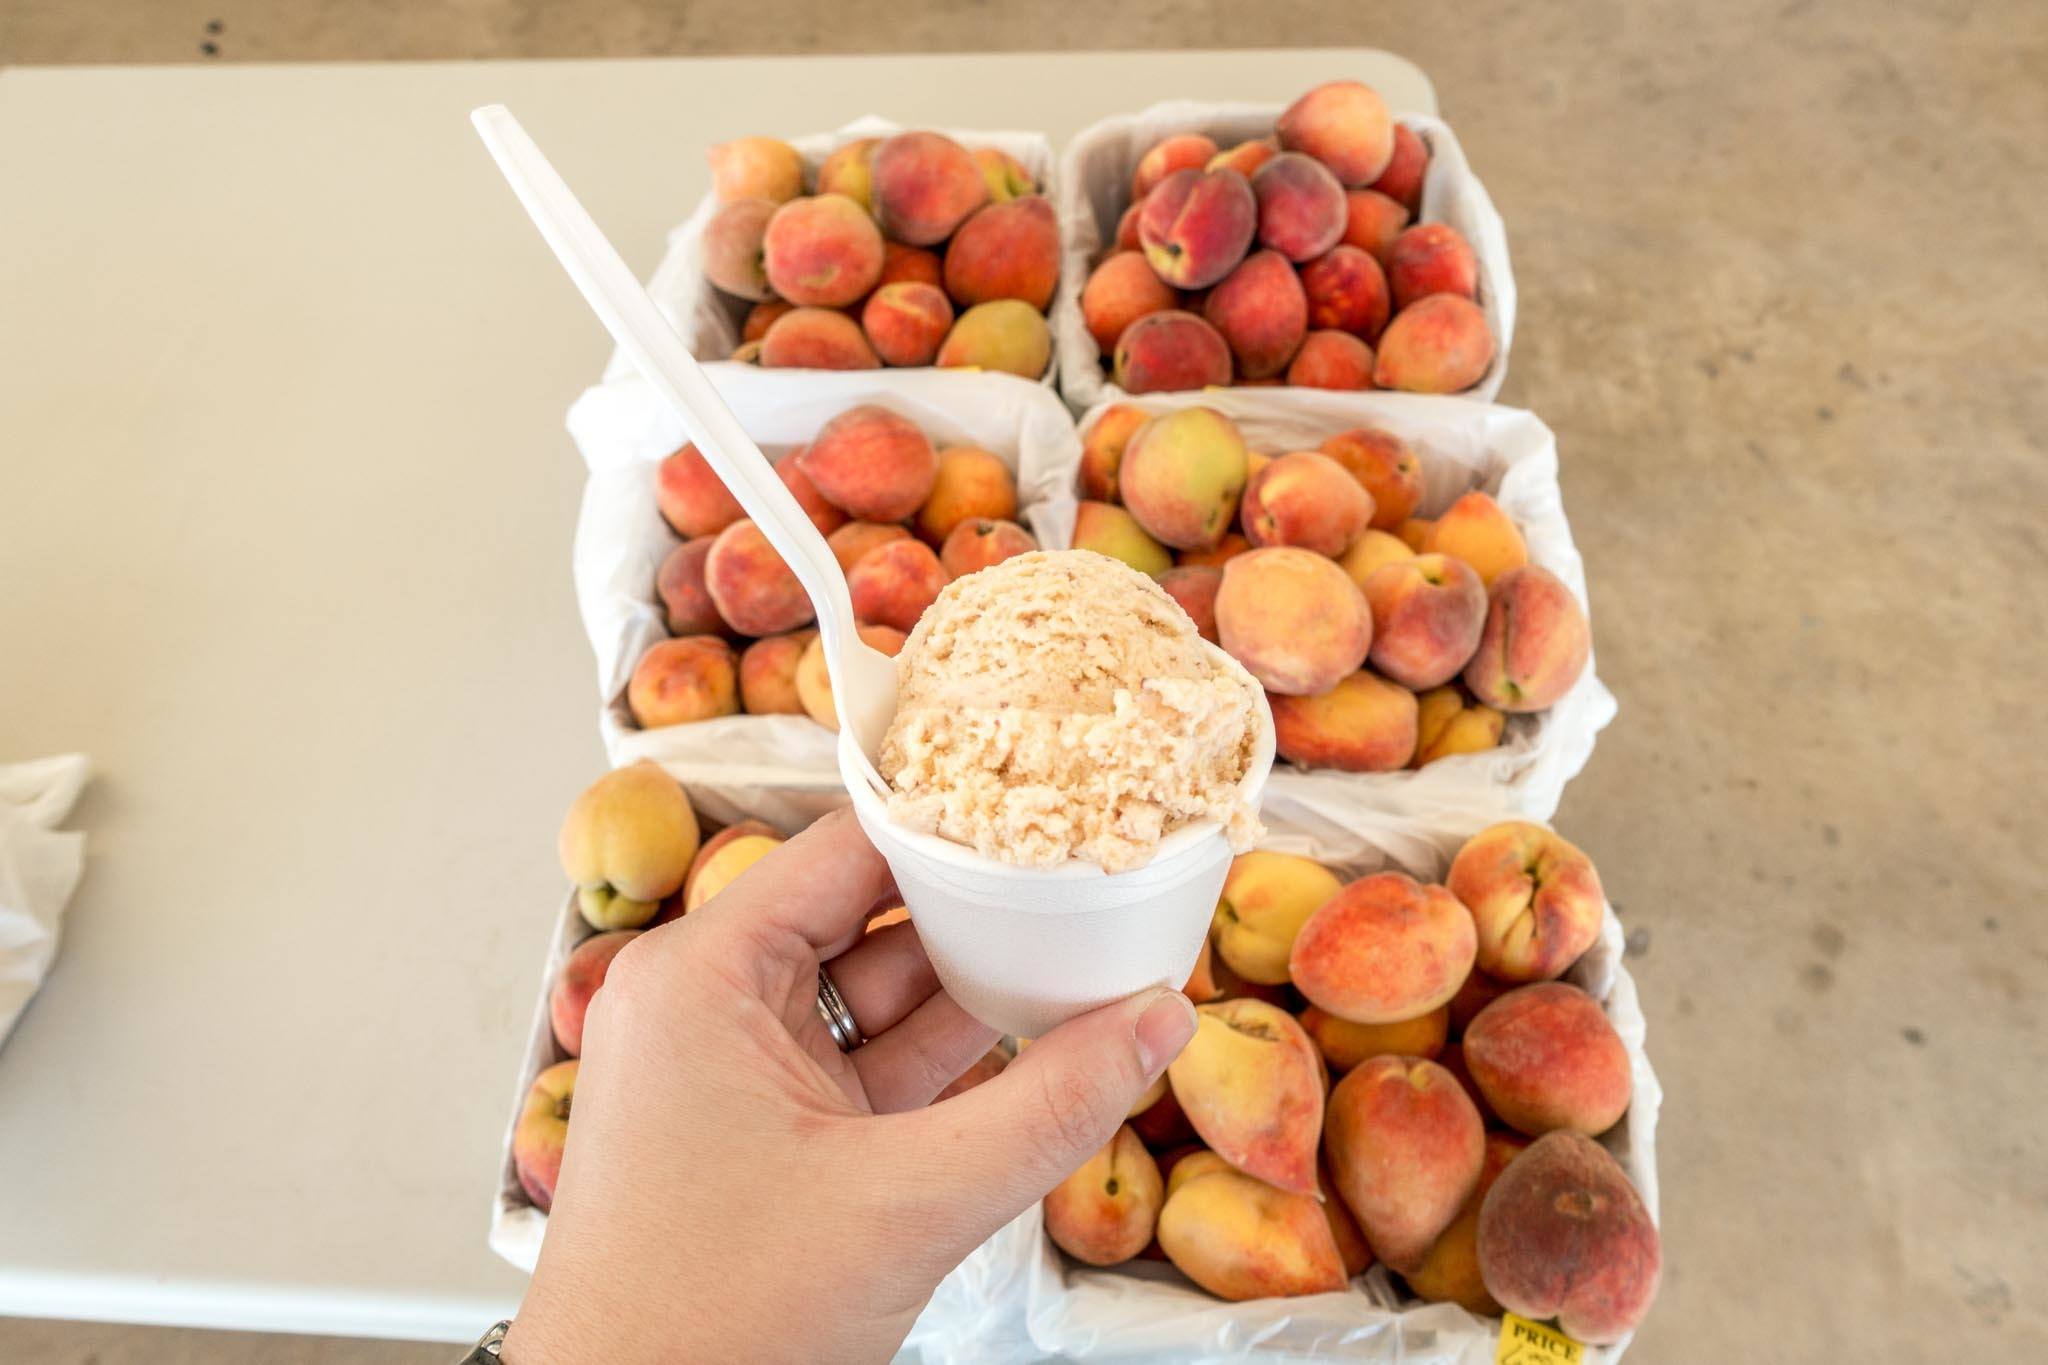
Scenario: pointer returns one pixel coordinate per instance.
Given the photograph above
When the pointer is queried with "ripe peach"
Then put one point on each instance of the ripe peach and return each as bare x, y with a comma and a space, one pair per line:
1006, 251
679, 681
1448, 723
1196, 226
924, 186
1162, 1123
691, 496
978, 542
1102, 449
856, 538
873, 463
1194, 588
906, 322
1406, 1148
626, 843
1450, 1273
1371, 550
1384, 949
848, 170
1431, 258
1227, 549
768, 675
814, 680
1182, 151
753, 589
1119, 292
1245, 158
1372, 222
1344, 125
1104, 1213
1345, 1044
1346, 291
1293, 619
734, 246
1535, 900
894, 583
1265, 900
1414, 532
756, 168
1004, 175
1110, 530
1242, 1239
1363, 724
1331, 360
1205, 982
971, 485
1249, 1082
580, 978
1402, 179
1478, 531
1262, 313
1192, 1165
1427, 612
1535, 644
1181, 475
823, 515
1301, 206
822, 251
686, 604
1438, 344
1007, 335
1171, 349
1546, 1058
911, 265
543, 1131
761, 317
724, 857
1388, 468
817, 339
1307, 499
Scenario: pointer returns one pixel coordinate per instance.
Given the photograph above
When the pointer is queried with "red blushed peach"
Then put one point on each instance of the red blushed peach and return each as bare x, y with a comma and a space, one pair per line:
1181, 476
1406, 1148
761, 317
1450, 1274
543, 1131
1109, 530
1347, 291
1535, 644
1127, 229
1331, 360
1196, 226
768, 675
734, 244
1195, 589
822, 513
1431, 258
1249, 1082
1306, 499
893, 583
1171, 350
1006, 251
1364, 724
1535, 900
686, 604
1182, 151
1546, 1058
1344, 125
753, 589
1245, 158
1479, 531
580, 978
1005, 335
1372, 223
911, 265
691, 496
1301, 206
1104, 1213
1388, 469
924, 186
817, 339
1227, 549
1427, 612
971, 484
1438, 344
1401, 181
1119, 292
1102, 448
856, 538
976, 544
1004, 175
1384, 949
906, 323
680, 681
1262, 313
846, 170
1163, 1123
872, 463
756, 168
1293, 620
823, 251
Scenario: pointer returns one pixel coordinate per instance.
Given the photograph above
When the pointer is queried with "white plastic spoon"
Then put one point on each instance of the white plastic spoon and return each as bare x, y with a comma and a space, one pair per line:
863, 678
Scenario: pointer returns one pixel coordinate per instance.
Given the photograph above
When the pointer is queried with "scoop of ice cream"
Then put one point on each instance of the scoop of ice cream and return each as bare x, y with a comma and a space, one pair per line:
1060, 705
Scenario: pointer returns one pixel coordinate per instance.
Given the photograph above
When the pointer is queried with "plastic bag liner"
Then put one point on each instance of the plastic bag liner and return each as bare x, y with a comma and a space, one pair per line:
1463, 446
1095, 189
625, 431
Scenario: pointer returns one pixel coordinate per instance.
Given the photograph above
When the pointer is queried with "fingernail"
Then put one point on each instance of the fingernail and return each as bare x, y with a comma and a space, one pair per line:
1164, 1029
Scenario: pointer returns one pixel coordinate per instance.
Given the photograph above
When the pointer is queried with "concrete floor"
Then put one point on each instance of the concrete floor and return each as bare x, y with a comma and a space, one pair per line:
1785, 300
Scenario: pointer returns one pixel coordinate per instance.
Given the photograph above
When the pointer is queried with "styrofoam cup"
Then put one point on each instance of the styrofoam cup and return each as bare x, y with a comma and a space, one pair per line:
1023, 948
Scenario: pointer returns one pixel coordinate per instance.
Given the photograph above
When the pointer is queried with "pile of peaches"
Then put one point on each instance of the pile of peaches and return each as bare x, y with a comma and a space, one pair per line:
909, 250
1310, 565
903, 518
1290, 259
1389, 1070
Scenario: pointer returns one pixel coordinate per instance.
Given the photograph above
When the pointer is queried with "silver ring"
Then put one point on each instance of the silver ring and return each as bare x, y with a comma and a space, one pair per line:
838, 1018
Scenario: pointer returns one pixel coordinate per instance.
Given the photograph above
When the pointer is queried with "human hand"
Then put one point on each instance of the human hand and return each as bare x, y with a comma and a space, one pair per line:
735, 1188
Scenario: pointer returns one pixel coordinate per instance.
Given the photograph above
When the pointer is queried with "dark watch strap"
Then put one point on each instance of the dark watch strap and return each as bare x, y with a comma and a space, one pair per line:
485, 1352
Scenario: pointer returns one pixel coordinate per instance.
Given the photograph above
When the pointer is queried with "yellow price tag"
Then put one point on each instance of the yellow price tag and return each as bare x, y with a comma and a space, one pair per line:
1523, 1342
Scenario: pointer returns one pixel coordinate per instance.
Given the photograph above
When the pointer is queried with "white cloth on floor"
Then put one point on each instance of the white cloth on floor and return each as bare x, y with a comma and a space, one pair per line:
39, 868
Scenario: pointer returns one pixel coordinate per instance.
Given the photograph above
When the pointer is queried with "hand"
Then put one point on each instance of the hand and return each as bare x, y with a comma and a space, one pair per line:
736, 1189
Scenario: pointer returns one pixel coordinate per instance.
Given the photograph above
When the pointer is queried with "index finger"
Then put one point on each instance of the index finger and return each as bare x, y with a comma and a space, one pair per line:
819, 886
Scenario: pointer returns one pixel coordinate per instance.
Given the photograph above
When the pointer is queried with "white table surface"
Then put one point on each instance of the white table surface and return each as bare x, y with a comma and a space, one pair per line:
285, 514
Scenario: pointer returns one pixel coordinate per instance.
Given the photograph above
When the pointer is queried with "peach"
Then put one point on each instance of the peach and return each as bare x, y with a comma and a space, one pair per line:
1227, 549
768, 675
911, 265
1301, 206
1245, 158
856, 538
1293, 619
1006, 335
1386, 466
1431, 258
1563, 1234
1331, 360
1535, 644
1182, 151
848, 170
1162, 1123
761, 317
1262, 313
1196, 226
1006, 251
985, 1068
1427, 612
1546, 1058
626, 843
1119, 292
814, 680
1192, 1166
873, 463
1384, 949
1250, 1084
1181, 474
580, 978
1152, 1095
691, 496
1450, 1273
1352, 1248
542, 1132
894, 583
1110, 530
1004, 175
1402, 179
1406, 1148
1306, 499
1104, 1213
1194, 588
1439, 344
680, 681
924, 186
746, 353
1372, 222
1479, 991
1170, 350
822, 251
817, 339
724, 857
906, 322
1204, 982
971, 484
756, 168
1477, 530
1364, 724
1535, 900
1370, 551
823, 515
1346, 291
1241, 1239
1266, 899
734, 246
1414, 532
1344, 125
1448, 723
1127, 231
685, 604
979, 542
753, 589
1102, 449
1345, 1044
